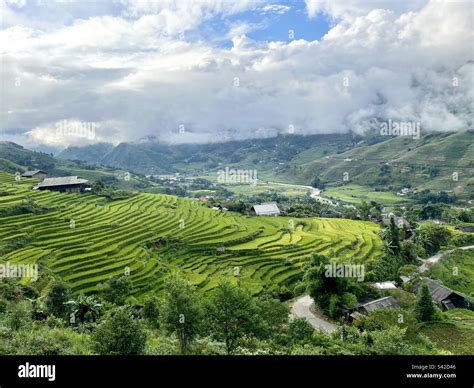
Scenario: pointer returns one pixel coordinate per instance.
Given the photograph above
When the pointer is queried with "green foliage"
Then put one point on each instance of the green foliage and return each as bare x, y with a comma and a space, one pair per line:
272, 313
349, 300
456, 271
116, 289
57, 296
19, 316
432, 237
232, 315
120, 334
27, 206
410, 270
424, 308
182, 311
151, 310
299, 330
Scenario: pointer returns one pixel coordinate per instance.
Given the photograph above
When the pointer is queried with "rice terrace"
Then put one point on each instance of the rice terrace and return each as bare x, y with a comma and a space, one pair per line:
86, 241
278, 185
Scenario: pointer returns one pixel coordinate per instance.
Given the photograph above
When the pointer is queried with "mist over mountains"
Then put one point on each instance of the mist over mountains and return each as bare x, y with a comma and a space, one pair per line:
218, 71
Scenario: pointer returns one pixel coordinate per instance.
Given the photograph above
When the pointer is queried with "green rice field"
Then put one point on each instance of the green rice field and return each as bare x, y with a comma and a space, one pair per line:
149, 235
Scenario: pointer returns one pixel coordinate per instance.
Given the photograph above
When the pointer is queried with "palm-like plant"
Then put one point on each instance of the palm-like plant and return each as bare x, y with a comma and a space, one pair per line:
85, 308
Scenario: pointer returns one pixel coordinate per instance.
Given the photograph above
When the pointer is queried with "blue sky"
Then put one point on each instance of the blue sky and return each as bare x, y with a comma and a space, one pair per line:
137, 68
288, 17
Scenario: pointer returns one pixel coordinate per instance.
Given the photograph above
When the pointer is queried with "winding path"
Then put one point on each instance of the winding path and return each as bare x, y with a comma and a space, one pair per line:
302, 306
429, 262
301, 309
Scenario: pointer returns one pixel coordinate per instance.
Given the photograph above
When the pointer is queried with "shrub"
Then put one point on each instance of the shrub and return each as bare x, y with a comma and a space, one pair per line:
119, 334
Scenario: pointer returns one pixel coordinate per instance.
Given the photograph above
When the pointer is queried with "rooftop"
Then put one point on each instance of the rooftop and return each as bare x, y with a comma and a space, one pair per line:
31, 173
266, 209
62, 181
387, 302
437, 290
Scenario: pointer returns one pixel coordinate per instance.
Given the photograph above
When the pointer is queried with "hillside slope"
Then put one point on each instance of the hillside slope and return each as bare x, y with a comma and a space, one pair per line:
428, 162
150, 235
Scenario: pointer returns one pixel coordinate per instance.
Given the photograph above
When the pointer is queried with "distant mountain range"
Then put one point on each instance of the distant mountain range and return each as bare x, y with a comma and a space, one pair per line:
437, 161
152, 157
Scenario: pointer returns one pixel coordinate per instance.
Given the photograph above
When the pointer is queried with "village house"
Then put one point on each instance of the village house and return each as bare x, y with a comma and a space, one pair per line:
443, 296
366, 308
266, 209
38, 174
68, 184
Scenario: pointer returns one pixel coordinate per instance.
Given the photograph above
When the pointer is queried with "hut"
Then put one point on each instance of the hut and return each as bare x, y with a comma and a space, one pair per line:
38, 174
68, 184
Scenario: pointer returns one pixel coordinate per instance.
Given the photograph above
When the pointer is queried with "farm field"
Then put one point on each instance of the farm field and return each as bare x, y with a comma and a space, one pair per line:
356, 194
149, 235
455, 334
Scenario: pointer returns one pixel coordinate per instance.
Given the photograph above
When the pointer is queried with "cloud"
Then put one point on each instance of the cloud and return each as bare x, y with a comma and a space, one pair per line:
275, 9
129, 69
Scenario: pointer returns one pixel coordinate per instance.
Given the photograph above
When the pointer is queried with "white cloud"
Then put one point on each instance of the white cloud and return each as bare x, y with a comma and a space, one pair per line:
278, 9
131, 73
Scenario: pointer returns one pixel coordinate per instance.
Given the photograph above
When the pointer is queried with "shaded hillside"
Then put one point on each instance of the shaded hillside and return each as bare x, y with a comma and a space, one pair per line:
265, 154
428, 162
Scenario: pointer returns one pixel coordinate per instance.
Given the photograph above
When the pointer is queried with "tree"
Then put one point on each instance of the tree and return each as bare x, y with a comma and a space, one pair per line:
273, 313
232, 315
119, 334
182, 312
57, 296
321, 287
116, 289
299, 330
316, 182
151, 310
424, 308
98, 186
364, 210
432, 237
19, 317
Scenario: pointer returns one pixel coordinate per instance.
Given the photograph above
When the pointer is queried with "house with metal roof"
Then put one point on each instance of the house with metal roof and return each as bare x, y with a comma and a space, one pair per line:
38, 174
382, 303
67, 184
444, 296
266, 209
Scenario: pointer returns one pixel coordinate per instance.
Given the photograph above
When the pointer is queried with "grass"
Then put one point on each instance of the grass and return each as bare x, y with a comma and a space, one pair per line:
456, 271
113, 237
456, 334
355, 194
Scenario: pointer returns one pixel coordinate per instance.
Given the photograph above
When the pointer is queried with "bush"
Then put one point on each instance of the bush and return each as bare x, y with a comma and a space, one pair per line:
119, 334
299, 330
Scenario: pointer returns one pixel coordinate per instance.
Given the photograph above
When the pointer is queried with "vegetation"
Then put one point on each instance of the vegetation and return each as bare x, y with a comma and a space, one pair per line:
424, 308
149, 235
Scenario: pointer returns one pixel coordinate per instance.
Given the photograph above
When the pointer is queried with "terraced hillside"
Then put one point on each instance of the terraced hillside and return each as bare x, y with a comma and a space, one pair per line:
150, 235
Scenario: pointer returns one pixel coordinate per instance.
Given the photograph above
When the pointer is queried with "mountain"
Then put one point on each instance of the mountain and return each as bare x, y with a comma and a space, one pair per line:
151, 157
14, 158
435, 161
428, 162
90, 154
